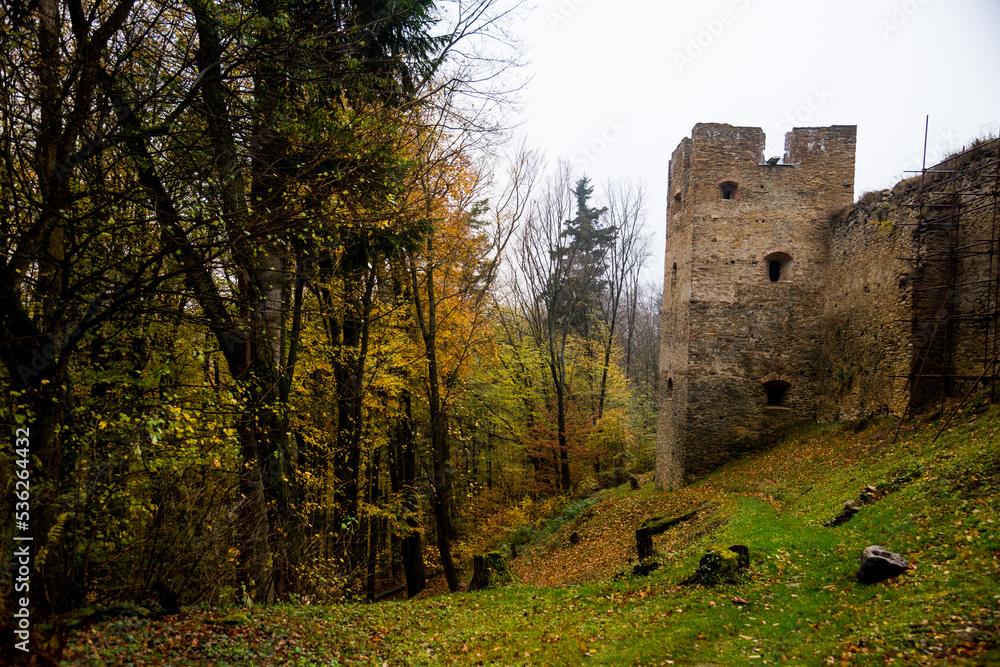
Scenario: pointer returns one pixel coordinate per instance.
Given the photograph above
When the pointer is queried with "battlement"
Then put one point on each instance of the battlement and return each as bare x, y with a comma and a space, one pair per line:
728, 141
806, 144
747, 144
722, 161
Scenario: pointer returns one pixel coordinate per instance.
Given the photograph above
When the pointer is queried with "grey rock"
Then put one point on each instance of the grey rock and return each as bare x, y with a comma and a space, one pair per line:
851, 508
878, 564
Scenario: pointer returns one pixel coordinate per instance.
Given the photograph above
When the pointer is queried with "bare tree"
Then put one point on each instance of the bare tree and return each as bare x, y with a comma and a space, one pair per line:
553, 290
626, 204
642, 357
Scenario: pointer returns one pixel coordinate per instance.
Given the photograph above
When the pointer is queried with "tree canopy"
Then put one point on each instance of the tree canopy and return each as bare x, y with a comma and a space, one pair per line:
264, 304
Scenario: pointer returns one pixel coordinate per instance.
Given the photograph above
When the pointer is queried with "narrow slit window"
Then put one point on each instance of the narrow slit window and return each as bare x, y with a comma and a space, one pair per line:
727, 190
774, 270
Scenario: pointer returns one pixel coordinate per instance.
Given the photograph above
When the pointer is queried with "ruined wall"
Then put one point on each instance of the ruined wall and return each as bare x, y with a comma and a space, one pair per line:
865, 342
880, 261
731, 329
774, 279
971, 181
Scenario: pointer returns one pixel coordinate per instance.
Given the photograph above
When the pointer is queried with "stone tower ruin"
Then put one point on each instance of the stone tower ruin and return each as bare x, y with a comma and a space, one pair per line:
747, 244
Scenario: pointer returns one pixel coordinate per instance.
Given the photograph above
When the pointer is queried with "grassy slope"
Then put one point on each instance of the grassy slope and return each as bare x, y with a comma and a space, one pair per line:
941, 510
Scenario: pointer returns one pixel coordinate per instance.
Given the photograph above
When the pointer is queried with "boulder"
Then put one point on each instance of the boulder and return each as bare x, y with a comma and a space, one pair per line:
721, 565
878, 564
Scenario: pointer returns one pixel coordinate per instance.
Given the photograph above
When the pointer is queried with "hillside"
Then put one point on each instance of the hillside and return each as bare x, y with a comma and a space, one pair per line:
937, 504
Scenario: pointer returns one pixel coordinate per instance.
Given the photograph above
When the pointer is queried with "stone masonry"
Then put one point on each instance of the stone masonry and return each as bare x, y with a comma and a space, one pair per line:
747, 246
785, 302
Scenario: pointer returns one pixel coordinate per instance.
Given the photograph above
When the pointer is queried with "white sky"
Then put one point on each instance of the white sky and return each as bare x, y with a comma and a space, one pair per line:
616, 84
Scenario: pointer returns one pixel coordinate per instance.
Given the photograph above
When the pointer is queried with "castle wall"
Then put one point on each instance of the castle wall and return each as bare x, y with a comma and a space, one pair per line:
973, 178
860, 298
874, 334
673, 439
865, 343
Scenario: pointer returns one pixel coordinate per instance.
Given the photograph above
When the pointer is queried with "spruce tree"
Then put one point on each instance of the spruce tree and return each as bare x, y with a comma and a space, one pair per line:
586, 256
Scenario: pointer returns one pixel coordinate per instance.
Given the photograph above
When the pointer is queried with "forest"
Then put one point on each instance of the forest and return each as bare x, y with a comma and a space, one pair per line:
287, 310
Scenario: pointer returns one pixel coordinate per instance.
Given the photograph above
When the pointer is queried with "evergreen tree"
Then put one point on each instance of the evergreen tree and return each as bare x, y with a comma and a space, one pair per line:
586, 250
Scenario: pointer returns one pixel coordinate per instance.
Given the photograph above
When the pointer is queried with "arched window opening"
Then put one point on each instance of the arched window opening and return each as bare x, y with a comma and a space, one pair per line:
776, 392
774, 270
727, 190
779, 266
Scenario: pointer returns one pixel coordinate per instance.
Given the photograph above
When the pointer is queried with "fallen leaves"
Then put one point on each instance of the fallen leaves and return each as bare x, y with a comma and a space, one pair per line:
607, 538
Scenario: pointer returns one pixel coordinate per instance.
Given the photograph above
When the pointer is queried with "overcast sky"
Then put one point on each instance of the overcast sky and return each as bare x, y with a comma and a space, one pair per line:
616, 84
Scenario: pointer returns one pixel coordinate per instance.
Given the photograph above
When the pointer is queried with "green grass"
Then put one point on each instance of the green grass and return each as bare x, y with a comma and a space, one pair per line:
940, 508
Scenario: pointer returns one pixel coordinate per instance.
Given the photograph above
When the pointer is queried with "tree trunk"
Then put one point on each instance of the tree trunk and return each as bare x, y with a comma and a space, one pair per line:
372, 556
405, 479
488, 570
608, 345
644, 542
442, 519
349, 338
440, 446
412, 546
565, 480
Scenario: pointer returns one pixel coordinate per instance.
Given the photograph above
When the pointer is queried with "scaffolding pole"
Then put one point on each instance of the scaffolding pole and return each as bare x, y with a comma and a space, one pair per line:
946, 267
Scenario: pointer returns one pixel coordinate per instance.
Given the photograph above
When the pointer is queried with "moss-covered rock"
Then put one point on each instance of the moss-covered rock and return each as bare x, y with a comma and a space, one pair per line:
721, 564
